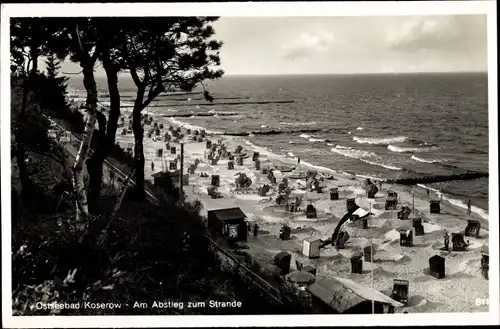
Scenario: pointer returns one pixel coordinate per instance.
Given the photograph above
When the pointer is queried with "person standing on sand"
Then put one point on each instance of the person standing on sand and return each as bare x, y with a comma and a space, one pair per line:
152, 166
428, 192
446, 240
469, 207
255, 230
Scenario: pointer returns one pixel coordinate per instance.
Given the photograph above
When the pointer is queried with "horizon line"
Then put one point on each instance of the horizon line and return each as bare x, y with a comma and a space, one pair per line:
314, 74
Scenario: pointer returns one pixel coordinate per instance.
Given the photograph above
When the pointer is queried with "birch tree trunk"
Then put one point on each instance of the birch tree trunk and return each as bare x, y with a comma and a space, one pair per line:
87, 64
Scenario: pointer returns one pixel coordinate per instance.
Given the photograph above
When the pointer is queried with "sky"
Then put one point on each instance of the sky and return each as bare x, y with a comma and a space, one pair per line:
349, 45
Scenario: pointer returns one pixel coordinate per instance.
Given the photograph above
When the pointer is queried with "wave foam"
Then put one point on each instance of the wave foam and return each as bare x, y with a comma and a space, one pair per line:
424, 160
298, 123
313, 140
365, 156
305, 135
383, 140
400, 149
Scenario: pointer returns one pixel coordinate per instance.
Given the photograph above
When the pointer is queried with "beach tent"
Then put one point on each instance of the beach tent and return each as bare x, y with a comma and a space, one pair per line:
345, 296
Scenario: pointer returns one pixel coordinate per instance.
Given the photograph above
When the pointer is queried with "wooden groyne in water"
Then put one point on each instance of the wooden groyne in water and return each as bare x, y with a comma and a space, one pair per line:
209, 114
438, 178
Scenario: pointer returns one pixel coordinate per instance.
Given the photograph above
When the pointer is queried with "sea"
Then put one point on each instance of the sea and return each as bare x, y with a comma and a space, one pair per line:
383, 126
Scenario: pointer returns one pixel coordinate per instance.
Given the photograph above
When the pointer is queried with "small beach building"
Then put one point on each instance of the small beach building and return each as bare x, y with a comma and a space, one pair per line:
344, 296
229, 223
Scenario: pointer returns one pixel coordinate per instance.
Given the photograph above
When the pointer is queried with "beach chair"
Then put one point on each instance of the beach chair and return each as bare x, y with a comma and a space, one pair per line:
124, 132
368, 253
357, 264
161, 125
311, 211
283, 260
172, 165
351, 204
159, 153
400, 291
230, 165
458, 242
485, 265
285, 233
173, 150
406, 238
435, 206
404, 213
263, 190
239, 161
157, 132
473, 228
334, 193
257, 165
419, 228
437, 266
255, 156
215, 180
391, 202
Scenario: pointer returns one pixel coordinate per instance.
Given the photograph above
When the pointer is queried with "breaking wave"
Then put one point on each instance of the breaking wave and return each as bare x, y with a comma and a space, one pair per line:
400, 149
275, 132
298, 123
383, 141
365, 156
313, 140
424, 160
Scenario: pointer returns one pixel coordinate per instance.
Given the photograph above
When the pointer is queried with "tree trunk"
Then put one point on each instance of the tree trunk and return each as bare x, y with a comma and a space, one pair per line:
82, 209
107, 137
138, 145
95, 166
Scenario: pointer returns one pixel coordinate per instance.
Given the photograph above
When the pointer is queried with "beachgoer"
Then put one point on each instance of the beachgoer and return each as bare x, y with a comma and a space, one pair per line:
152, 166
446, 240
428, 192
255, 230
337, 244
298, 160
469, 207
380, 185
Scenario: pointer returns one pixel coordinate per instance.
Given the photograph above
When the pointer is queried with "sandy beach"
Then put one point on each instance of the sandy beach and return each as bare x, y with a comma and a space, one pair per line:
391, 261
